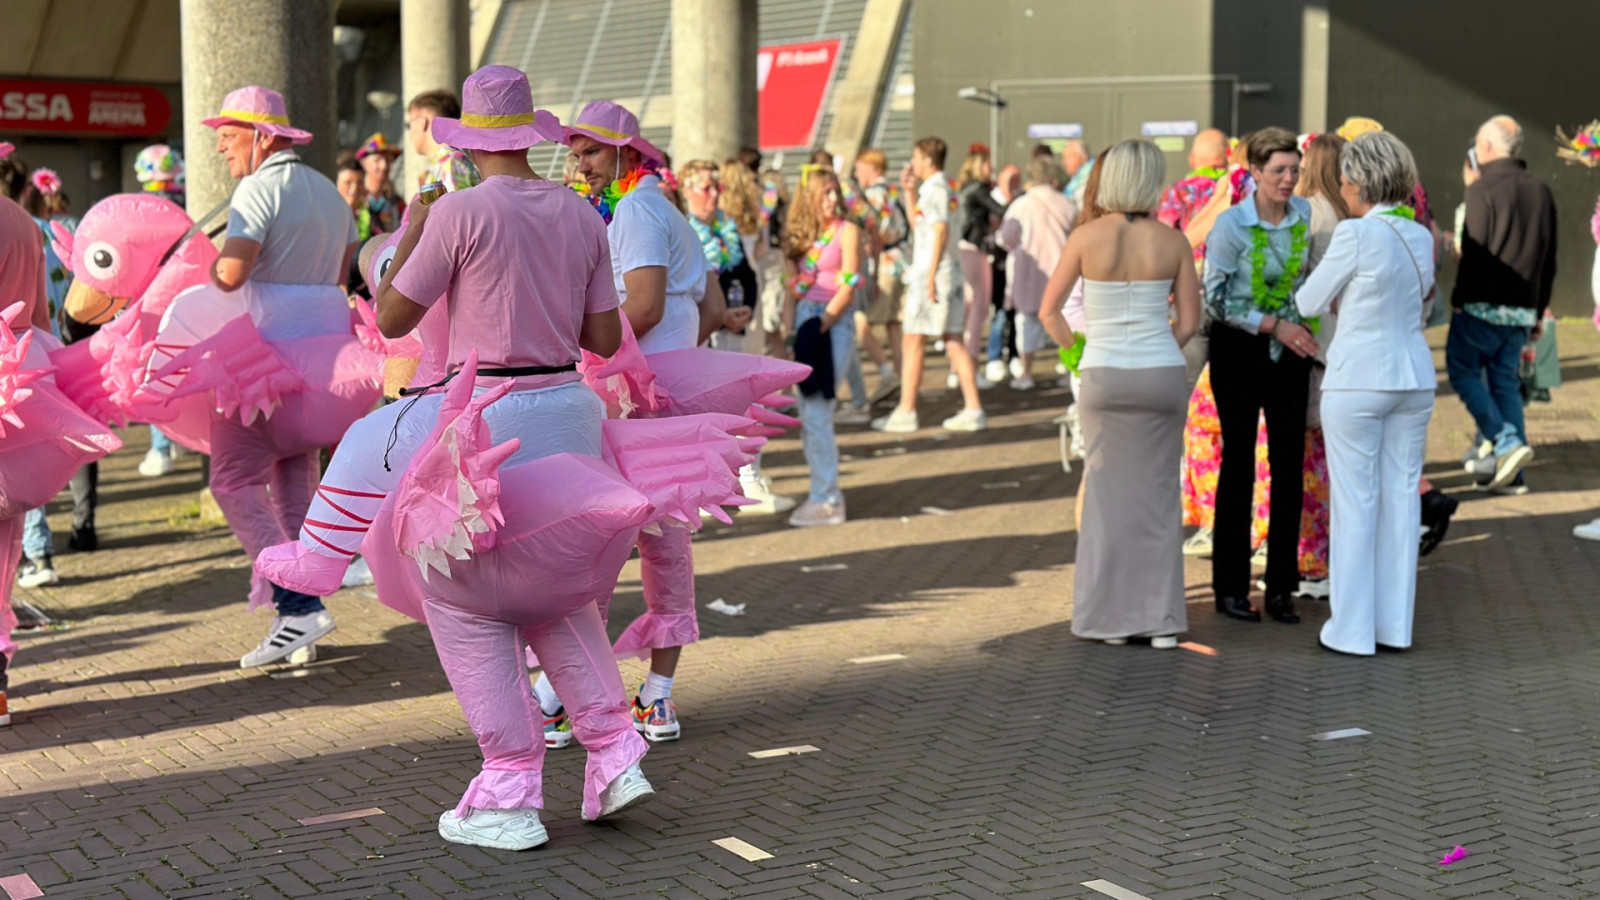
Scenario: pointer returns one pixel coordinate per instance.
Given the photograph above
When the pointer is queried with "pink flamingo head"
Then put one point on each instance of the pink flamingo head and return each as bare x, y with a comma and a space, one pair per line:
117, 250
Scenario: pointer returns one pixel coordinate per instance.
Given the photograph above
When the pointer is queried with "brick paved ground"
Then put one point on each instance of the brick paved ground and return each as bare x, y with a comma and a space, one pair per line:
999, 758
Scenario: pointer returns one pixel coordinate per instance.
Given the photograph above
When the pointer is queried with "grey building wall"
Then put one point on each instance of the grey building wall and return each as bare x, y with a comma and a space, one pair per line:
1433, 88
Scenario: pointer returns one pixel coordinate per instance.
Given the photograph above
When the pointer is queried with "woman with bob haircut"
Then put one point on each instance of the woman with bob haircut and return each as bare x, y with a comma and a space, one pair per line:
1377, 397
1141, 301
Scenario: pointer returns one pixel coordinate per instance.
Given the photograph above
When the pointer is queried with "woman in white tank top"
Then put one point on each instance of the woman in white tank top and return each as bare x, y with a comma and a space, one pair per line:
1142, 304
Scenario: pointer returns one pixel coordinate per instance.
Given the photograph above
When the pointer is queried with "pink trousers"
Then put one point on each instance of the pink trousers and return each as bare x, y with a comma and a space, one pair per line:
666, 567
264, 494
10, 559
979, 277
483, 659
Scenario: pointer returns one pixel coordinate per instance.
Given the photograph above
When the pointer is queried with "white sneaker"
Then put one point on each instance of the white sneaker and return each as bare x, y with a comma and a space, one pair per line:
967, 420
898, 422
1476, 454
1024, 383
1198, 544
995, 370
813, 515
1589, 531
1313, 589
629, 790
1164, 642
156, 464
500, 829
1509, 464
1480, 467
357, 575
851, 415
36, 573
1016, 367
302, 657
288, 634
951, 382
1061, 369
983, 381
766, 501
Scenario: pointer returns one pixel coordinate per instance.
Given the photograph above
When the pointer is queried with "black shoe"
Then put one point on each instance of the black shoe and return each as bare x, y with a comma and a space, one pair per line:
1237, 608
83, 540
1437, 508
1281, 608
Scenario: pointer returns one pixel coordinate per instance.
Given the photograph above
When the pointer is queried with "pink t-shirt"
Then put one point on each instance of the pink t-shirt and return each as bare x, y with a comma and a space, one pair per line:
520, 263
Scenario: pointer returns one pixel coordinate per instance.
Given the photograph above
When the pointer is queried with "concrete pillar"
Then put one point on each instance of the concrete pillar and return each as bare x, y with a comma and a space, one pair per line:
286, 45
1314, 69
434, 55
857, 98
713, 78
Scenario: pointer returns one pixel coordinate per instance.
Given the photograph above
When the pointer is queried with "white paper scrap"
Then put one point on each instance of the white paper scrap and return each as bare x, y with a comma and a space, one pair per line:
826, 567
887, 657
726, 608
748, 852
784, 751
1341, 733
935, 511
1002, 485
1112, 890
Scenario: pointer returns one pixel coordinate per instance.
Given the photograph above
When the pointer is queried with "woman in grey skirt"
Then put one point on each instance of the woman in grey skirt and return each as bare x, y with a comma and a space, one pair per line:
1142, 299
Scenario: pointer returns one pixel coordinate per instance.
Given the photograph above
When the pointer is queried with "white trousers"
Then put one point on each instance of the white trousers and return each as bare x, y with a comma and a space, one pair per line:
1375, 442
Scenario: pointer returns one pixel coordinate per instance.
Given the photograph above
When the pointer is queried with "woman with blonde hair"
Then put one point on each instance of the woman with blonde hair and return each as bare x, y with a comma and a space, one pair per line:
822, 257
1141, 304
980, 217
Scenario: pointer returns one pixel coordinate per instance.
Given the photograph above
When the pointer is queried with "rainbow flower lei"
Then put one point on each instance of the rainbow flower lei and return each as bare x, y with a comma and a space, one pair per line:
803, 279
606, 202
724, 248
1274, 299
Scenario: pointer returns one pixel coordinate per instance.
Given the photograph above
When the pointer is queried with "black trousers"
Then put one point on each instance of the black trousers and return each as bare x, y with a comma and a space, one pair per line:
85, 485
1247, 382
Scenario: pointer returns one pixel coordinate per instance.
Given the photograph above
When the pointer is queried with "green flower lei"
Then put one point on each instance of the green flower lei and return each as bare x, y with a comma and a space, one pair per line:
1403, 212
1273, 299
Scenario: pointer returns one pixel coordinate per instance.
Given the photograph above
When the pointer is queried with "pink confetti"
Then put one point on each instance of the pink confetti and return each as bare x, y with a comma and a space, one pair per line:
1456, 855
20, 887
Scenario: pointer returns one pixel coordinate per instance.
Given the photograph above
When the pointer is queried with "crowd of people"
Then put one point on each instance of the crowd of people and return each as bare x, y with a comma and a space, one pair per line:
515, 372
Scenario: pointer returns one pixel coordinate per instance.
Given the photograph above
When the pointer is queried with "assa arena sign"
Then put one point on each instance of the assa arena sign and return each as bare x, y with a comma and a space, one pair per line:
85, 108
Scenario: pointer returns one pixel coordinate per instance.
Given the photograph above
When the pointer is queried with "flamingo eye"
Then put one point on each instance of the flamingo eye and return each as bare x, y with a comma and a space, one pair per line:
101, 260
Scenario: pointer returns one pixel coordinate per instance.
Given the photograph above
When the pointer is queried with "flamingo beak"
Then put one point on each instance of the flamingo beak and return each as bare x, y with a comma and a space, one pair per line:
89, 305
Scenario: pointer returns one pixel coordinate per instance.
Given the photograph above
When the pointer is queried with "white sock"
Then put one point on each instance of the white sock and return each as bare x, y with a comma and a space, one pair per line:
655, 687
545, 693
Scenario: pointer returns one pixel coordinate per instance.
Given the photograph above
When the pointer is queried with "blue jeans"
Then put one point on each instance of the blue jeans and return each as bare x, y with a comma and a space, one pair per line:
1483, 362
294, 603
852, 369
997, 334
37, 541
160, 442
816, 411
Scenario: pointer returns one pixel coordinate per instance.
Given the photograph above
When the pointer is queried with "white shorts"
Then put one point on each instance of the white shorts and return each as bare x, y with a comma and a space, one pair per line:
1031, 336
947, 316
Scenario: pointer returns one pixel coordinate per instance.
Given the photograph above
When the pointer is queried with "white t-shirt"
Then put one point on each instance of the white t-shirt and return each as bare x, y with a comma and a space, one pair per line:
934, 203
297, 216
647, 230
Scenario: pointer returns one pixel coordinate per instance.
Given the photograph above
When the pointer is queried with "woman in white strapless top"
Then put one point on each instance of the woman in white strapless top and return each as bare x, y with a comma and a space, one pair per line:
1142, 304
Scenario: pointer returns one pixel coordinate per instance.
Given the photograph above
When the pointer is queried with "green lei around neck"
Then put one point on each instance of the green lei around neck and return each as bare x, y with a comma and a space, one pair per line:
1403, 212
1274, 299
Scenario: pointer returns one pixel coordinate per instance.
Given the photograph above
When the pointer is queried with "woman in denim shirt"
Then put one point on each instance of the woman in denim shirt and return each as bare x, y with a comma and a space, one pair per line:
1261, 356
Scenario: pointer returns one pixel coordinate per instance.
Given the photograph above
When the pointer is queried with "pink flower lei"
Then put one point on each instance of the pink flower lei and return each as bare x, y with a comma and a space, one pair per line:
46, 182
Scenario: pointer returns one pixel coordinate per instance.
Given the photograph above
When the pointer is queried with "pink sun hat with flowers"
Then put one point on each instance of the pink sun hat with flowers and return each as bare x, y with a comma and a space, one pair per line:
611, 124
497, 114
260, 108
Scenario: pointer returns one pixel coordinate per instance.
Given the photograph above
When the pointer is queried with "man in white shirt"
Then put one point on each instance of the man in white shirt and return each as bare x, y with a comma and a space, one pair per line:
290, 235
933, 302
672, 300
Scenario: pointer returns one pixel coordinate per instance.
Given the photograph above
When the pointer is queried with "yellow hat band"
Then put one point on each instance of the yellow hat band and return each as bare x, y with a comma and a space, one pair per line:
253, 117
474, 120
604, 132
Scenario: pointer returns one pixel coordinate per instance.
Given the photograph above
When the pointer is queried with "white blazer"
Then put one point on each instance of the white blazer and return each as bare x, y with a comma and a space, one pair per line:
1379, 268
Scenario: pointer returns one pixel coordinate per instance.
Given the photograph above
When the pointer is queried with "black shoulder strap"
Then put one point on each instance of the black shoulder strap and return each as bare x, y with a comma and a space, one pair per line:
196, 229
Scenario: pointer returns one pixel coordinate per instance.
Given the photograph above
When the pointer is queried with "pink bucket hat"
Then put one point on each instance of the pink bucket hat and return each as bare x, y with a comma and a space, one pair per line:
260, 108
609, 123
497, 114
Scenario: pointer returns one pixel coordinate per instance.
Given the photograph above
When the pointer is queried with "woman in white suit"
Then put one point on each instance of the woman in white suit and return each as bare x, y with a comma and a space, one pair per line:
1377, 396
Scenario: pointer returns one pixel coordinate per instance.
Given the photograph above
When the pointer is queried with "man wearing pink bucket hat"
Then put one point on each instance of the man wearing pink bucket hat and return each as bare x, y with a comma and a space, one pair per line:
522, 269
673, 302
289, 242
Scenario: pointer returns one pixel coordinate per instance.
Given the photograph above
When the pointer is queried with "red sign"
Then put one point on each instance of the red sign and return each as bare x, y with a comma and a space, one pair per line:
792, 81
81, 107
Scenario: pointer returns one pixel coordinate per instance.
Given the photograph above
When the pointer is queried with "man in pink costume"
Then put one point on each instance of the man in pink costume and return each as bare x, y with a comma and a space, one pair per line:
520, 266
44, 437
672, 301
289, 241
